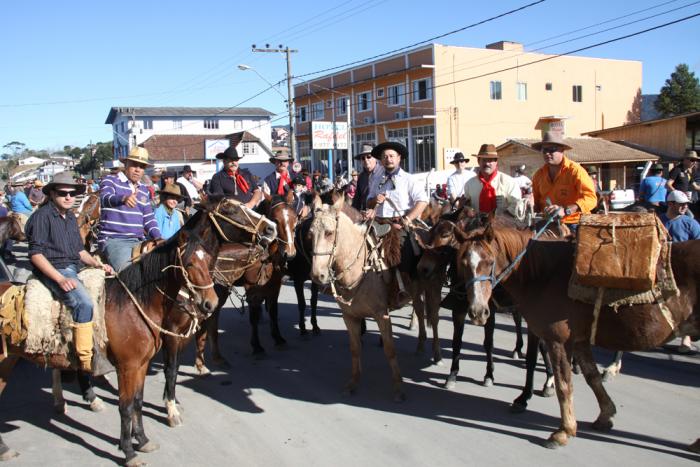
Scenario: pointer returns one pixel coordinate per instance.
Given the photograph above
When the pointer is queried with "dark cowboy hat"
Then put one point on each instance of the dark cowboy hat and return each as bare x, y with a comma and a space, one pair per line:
459, 157
230, 153
488, 151
657, 167
299, 180
168, 174
550, 138
171, 190
281, 156
366, 149
64, 178
317, 172
691, 155
186, 169
398, 147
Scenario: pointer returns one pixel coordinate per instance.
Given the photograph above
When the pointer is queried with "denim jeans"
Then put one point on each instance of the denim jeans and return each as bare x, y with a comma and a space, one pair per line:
118, 251
78, 299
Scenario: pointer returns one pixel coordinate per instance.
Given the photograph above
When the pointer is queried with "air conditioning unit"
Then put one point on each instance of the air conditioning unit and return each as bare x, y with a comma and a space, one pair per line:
369, 120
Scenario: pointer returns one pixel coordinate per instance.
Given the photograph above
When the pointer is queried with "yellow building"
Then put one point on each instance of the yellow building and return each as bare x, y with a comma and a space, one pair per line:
439, 99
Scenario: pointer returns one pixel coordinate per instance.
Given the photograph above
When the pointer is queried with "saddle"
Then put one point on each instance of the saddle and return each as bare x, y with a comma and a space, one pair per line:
30, 315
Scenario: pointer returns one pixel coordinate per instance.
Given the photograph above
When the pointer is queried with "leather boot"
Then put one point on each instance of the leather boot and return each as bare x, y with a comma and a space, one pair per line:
100, 364
82, 338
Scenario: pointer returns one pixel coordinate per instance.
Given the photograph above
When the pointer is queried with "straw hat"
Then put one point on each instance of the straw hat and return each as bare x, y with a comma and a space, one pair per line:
64, 178
38, 184
171, 189
137, 154
691, 155
550, 138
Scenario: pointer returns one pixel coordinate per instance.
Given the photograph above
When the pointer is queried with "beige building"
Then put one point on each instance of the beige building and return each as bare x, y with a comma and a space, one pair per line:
441, 99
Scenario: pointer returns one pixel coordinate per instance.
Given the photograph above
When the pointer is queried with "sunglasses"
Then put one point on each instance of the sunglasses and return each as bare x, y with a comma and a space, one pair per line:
550, 149
65, 193
367, 157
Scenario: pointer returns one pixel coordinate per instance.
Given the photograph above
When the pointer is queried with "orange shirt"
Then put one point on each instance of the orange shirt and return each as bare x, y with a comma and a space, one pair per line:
572, 185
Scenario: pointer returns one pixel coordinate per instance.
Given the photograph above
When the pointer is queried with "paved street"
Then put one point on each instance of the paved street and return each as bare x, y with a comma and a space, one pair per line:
288, 409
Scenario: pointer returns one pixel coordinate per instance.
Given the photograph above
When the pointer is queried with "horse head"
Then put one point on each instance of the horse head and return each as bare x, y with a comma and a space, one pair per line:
236, 223
281, 211
15, 229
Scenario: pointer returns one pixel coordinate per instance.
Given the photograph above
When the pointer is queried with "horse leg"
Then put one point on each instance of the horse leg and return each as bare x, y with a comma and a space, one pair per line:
314, 306
433, 297
489, 330
561, 364
384, 325
519, 405
301, 305
171, 353
419, 314
130, 383
88, 392
353, 326
6, 366
272, 307
143, 444
548, 387
255, 311
200, 345
614, 368
595, 381
458, 325
415, 320
213, 337
59, 403
518, 320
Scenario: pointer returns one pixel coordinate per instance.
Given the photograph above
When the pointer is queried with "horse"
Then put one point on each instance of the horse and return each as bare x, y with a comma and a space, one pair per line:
140, 299
88, 214
538, 280
11, 228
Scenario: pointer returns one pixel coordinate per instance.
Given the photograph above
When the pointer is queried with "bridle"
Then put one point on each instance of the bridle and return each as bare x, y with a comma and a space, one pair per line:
252, 227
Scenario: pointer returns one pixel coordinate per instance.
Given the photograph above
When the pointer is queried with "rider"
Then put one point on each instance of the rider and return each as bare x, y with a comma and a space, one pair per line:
682, 177
278, 182
653, 188
169, 219
370, 168
56, 252
561, 187
456, 181
234, 182
492, 190
125, 211
396, 199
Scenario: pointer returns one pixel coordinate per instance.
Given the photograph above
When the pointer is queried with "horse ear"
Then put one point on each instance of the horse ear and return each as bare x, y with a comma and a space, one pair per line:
488, 231
316, 202
460, 235
339, 202
290, 197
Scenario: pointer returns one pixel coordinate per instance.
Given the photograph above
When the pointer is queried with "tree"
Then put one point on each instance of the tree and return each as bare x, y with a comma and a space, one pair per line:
15, 146
680, 94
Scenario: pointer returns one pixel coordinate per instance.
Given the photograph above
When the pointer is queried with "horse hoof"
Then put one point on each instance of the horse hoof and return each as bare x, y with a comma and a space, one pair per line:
97, 405
259, 354
134, 462
608, 376
221, 363
399, 397
602, 425
150, 446
488, 382
317, 331
61, 408
551, 444
175, 421
348, 391
451, 382
576, 369
438, 362
8, 454
303, 332
548, 391
518, 407
202, 371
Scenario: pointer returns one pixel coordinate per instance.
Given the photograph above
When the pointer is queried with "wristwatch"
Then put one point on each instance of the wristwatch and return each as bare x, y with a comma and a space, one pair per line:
567, 211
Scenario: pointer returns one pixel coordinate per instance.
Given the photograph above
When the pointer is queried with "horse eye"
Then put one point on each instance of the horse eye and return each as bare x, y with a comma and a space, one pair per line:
329, 233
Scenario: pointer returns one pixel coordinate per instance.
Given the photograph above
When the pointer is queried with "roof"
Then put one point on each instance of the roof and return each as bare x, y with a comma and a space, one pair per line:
592, 150
689, 115
191, 147
187, 112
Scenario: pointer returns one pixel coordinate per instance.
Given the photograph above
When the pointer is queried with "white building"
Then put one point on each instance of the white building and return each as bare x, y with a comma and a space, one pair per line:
31, 161
133, 125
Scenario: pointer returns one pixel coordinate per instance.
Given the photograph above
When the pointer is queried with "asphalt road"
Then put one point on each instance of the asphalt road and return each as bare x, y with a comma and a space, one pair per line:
287, 409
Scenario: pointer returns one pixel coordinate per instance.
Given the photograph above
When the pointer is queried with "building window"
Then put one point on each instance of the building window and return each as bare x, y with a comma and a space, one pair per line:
250, 148
547, 86
363, 101
329, 104
237, 124
578, 93
148, 124
122, 125
396, 94
422, 90
399, 136
521, 91
363, 138
424, 148
341, 106
302, 113
177, 124
380, 92
495, 87
317, 111
211, 124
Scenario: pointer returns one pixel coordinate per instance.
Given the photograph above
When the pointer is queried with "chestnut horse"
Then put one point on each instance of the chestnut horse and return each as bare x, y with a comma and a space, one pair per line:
88, 214
10, 228
539, 284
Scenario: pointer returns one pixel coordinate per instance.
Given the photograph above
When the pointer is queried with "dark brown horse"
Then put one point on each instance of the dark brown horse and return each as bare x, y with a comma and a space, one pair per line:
539, 284
11, 228
88, 214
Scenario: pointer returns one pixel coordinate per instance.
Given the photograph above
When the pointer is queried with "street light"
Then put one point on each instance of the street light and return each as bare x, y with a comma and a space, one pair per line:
273, 86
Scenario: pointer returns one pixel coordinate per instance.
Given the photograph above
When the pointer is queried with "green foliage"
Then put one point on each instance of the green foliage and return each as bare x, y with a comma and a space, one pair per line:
680, 94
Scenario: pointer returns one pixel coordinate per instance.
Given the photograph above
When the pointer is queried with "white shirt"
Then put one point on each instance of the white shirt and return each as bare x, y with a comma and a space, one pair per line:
191, 189
508, 196
402, 190
456, 182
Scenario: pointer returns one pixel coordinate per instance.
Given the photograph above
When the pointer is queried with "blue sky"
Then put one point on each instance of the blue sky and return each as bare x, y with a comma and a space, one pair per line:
66, 63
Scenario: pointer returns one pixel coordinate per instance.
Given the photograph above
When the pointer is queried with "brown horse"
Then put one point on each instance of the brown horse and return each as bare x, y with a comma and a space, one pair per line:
135, 331
11, 228
539, 284
88, 214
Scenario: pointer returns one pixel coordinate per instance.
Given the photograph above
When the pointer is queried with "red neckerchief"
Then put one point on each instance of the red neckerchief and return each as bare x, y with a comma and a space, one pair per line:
240, 181
487, 198
284, 181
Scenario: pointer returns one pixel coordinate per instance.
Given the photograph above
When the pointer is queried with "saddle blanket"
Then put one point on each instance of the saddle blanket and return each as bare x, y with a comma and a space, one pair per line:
49, 324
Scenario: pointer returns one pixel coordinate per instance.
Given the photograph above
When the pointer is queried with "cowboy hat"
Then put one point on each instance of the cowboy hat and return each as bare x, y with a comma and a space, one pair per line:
137, 154
691, 155
38, 184
488, 151
380, 148
281, 156
550, 138
592, 169
364, 150
657, 167
299, 180
171, 189
317, 172
63, 178
230, 153
459, 157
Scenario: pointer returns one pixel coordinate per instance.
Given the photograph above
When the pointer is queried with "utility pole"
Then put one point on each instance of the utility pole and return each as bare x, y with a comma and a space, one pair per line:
290, 99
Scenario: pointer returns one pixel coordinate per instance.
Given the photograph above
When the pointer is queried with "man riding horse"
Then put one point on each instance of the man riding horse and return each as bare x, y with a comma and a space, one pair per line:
234, 182
56, 252
397, 200
126, 211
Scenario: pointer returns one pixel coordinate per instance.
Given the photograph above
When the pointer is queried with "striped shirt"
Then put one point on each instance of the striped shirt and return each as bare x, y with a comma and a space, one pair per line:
117, 220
